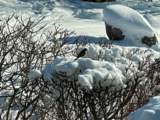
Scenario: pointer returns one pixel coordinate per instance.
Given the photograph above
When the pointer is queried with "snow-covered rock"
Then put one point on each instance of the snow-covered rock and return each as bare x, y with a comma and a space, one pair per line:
123, 21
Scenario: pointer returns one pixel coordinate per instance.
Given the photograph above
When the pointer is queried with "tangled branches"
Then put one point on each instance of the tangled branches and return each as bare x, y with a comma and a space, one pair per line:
61, 98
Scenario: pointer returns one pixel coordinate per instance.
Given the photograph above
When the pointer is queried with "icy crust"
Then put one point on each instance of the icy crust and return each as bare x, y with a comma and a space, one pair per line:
133, 24
147, 112
109, 68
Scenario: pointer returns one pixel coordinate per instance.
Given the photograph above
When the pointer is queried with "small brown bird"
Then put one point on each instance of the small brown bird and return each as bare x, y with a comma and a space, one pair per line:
82, 53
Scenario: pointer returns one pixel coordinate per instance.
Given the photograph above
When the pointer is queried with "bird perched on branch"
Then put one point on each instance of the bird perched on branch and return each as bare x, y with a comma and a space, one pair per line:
82, 53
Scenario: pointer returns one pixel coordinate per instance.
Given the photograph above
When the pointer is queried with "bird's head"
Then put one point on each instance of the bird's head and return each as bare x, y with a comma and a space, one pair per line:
85, 49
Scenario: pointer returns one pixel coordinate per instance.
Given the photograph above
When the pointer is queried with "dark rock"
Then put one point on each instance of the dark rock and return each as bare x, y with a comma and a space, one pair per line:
114, 33
149, 40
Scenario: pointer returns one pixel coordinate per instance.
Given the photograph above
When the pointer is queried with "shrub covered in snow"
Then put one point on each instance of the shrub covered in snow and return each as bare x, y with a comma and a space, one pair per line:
41, 78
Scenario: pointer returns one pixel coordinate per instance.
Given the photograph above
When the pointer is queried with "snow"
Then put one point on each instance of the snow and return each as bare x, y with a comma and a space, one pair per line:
89, 77
137, 18
147, 112
34, 74
87, 71
154, 22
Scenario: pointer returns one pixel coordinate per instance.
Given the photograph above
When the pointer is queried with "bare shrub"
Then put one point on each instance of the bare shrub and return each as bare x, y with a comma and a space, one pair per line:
22, 50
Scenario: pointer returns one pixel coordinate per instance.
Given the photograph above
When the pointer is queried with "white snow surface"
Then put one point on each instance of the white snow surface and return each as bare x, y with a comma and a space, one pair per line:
147, 112
34, 74
87, 70
86, 19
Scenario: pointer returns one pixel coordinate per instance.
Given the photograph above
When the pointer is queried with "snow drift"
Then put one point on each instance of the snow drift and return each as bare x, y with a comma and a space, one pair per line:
147, 112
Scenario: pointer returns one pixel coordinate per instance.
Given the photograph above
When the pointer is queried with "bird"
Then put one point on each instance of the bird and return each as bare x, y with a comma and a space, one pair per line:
82, 53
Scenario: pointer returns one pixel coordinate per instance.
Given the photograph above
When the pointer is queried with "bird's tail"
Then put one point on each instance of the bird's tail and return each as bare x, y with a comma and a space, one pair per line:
76, 58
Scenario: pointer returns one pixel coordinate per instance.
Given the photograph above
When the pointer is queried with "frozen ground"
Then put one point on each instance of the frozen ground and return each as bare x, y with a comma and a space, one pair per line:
86, 19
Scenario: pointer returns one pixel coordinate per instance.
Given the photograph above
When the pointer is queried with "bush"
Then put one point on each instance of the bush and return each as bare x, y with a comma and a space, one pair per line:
21, 52
62, 98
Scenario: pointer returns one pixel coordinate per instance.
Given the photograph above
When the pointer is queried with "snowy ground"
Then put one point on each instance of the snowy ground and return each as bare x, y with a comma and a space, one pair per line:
86, 19
147, 112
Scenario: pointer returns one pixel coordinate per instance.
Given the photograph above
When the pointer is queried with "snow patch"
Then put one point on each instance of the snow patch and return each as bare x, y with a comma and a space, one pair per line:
34, 74
147, 112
